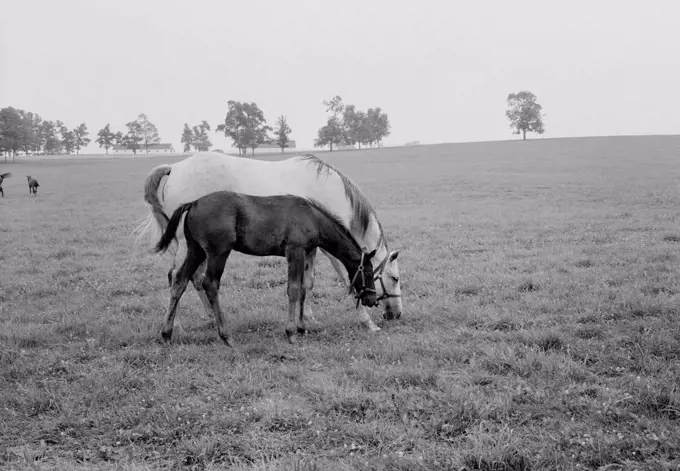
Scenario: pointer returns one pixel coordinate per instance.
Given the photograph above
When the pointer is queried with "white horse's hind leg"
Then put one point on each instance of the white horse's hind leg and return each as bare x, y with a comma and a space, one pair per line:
362, 312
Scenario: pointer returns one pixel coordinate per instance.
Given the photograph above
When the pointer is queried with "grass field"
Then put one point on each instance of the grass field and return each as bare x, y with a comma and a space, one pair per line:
541, 326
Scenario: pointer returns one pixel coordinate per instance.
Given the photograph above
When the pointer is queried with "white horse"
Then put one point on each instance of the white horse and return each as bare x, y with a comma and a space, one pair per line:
168, 186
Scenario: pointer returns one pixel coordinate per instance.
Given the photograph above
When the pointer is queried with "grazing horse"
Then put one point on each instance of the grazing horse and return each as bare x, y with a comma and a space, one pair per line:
285, 226
2, 177
32, 185
168, 186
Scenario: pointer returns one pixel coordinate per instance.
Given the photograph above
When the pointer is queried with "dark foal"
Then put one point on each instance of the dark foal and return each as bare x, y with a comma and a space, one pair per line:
285, 226
2, 177
32, 185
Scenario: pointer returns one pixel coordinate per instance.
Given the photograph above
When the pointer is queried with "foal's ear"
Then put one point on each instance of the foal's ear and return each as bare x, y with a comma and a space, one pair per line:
394, 255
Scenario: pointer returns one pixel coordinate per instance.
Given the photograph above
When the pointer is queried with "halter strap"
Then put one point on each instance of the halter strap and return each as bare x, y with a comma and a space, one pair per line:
377, 274
364, 290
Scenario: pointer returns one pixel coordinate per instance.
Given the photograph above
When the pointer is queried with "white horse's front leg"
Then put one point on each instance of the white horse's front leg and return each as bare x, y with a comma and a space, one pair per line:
364, 316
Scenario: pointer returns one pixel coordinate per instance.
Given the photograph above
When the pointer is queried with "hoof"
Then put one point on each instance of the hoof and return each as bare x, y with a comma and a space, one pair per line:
301, 330
166, 336
227, 340
291, 339
373, 328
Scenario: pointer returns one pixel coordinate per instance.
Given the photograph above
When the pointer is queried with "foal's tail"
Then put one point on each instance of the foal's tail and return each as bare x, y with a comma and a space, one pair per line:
171, 230
5, 175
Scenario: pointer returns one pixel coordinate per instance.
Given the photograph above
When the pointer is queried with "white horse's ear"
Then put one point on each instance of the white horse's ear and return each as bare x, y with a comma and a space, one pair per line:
394, 255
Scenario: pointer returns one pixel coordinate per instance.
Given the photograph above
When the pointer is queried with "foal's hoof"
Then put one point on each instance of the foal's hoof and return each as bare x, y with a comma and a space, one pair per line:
301, 330
227, 340
166, 336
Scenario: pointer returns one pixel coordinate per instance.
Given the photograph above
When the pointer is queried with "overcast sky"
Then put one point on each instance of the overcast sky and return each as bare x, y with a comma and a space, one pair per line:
442, 70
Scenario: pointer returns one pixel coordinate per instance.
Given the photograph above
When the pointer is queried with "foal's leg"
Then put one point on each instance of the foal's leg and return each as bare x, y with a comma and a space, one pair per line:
211, 285
307, 315
197, 281
194, 258
296, 291
362, 312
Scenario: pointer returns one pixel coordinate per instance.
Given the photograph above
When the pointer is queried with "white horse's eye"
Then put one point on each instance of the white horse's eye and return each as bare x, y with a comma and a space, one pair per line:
396, 279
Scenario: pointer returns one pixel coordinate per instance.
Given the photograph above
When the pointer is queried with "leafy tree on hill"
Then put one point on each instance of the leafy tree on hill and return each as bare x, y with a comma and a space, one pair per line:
68, 138
81, 137
282, 133
106, 138
48, 131
132, 139
380, 125
147, 131
347, 125
333, 132
200, 138
187, 138
525, 114
10, 130
245, 125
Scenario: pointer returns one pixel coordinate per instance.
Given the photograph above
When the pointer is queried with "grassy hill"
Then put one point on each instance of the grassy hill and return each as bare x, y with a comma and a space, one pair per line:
541, 326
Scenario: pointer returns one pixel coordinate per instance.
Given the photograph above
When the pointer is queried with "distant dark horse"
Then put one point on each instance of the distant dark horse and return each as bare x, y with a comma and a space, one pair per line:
32, 185
2, 177
286, 226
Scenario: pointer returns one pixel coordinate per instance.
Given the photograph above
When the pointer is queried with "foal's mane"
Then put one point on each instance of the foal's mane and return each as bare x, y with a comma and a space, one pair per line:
361, 207
335, 220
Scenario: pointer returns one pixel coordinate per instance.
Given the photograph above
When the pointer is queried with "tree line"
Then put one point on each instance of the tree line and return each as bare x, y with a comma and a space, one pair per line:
247, 127
348, 126
28, 132
244, 124
141, 134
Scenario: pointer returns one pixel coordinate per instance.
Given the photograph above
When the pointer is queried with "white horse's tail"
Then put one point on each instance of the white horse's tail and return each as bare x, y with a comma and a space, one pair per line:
156, 221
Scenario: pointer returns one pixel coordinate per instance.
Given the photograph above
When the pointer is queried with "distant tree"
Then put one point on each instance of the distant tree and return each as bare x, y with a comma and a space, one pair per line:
525, 114
335, 106
11, 130
245, 125
147, 131
187, 138
282, 132
68, 140
332, 134
106, 137
132, 139
119, 139
358, 129
38, 138
27, 135
379, 124
48, 132
200, 138
81, 137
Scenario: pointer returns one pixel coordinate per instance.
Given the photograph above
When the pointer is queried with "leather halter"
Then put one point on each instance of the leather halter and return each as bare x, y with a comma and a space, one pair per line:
377, 273
364, 290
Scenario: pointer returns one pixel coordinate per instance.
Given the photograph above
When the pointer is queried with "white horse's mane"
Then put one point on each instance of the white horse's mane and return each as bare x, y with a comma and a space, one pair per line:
361, 207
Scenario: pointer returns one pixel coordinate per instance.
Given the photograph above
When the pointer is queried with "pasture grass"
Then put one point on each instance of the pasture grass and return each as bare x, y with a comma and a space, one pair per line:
540, 331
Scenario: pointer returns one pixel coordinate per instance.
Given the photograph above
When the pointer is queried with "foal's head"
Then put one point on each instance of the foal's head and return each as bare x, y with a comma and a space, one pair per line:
363, 282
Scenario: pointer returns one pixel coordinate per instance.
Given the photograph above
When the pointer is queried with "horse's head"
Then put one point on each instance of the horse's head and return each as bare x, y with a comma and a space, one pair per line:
363, 282
389, 289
